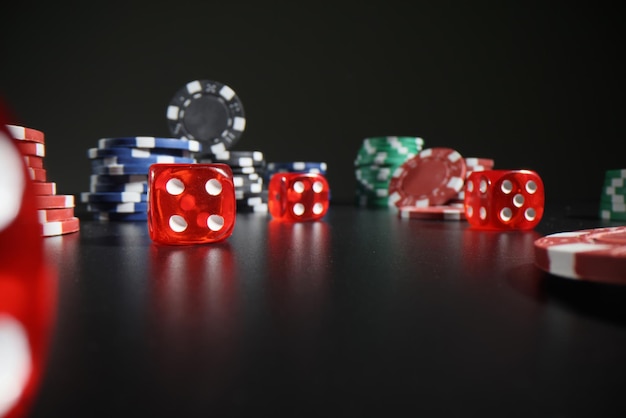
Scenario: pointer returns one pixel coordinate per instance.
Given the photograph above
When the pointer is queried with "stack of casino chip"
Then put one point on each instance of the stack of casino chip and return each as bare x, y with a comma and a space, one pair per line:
249, 171
613, 197
118, 189
56, 212
375, 163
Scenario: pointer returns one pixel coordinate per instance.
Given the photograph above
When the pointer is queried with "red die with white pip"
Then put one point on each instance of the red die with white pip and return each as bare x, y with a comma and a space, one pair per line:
190, 203
298, 197
504, 199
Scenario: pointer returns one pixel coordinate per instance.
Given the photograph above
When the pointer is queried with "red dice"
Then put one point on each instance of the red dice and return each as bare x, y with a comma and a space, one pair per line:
504, 199
298, 197
190, 203
27, 286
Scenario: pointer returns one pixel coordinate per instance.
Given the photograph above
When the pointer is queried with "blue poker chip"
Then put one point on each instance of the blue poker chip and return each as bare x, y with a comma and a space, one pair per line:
113, 197
121, 169
150, 142
136, 152
154, 159
116, 179
128, 207
297, 166
123, 187
123, 217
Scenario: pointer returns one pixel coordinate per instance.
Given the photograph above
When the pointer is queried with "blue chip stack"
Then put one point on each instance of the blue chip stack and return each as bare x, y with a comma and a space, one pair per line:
118, 189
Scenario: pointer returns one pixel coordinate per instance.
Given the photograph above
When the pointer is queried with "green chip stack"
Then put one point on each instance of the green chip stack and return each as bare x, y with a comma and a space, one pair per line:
613, 197
376, 160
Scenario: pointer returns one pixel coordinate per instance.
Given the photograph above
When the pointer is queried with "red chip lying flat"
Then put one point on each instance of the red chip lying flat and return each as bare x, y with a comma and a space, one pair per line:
591, 254
430, 178
440, 213
65, 226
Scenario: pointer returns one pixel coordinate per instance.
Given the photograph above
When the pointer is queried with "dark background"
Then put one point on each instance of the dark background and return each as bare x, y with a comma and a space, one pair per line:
531, 86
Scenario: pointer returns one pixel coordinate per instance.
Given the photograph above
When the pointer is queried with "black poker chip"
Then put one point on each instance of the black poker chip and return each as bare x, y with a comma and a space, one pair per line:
209, 112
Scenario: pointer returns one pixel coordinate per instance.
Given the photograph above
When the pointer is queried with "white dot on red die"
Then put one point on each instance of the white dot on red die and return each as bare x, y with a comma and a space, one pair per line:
14, 361
506, 214
482, 212
298, 187
531, 187
482, 186
178, 223
318, 208
213, 187
470, 186
506, 186
518, 200
298, 209
12, 182
530, 214
174, 187
215, 222
318, 187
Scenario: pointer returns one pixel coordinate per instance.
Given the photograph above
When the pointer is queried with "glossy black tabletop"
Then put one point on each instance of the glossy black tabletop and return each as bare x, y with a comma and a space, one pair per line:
361, 314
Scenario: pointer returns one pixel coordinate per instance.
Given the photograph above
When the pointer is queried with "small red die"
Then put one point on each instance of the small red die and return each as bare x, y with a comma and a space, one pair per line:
298, 197
504, 199
190, 203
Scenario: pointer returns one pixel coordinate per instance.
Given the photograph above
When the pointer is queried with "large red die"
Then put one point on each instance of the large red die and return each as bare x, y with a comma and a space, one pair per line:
27, 286
190, 203
298, 197
504, 199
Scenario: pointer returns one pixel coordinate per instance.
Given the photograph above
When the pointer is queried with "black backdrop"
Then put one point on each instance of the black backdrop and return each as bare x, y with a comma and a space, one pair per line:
531, 86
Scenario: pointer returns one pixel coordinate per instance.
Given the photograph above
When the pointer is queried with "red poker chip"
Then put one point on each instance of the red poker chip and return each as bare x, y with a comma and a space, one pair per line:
49, 215
31, 148
44, 188
55, 201
37, 174
438, 213
33, 161
430, 178
65, 226
597, 255
27, 134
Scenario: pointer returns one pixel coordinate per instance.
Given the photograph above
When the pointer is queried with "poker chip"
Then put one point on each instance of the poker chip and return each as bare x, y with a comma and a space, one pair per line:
45, 188
153, 159
138, 187
33, 161
137, 153
597, 255
121, 169
376, 161
613, 197
117, 179
49, 215
31, 148
431, 178
54, 201
111, 207
61, 227
37, 174
207, 111
24, 133
441, 213
120, 216
234, 158
112, 197
150, 142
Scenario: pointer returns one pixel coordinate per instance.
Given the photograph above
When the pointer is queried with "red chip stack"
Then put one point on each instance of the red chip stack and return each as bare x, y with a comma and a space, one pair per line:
56, 212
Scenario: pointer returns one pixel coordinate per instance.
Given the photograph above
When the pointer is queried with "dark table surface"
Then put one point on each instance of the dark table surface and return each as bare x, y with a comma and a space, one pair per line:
361, 314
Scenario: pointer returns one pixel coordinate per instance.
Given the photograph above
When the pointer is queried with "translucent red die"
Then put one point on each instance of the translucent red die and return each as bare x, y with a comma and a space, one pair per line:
190, 203
27, 286
504, 199
298, 197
